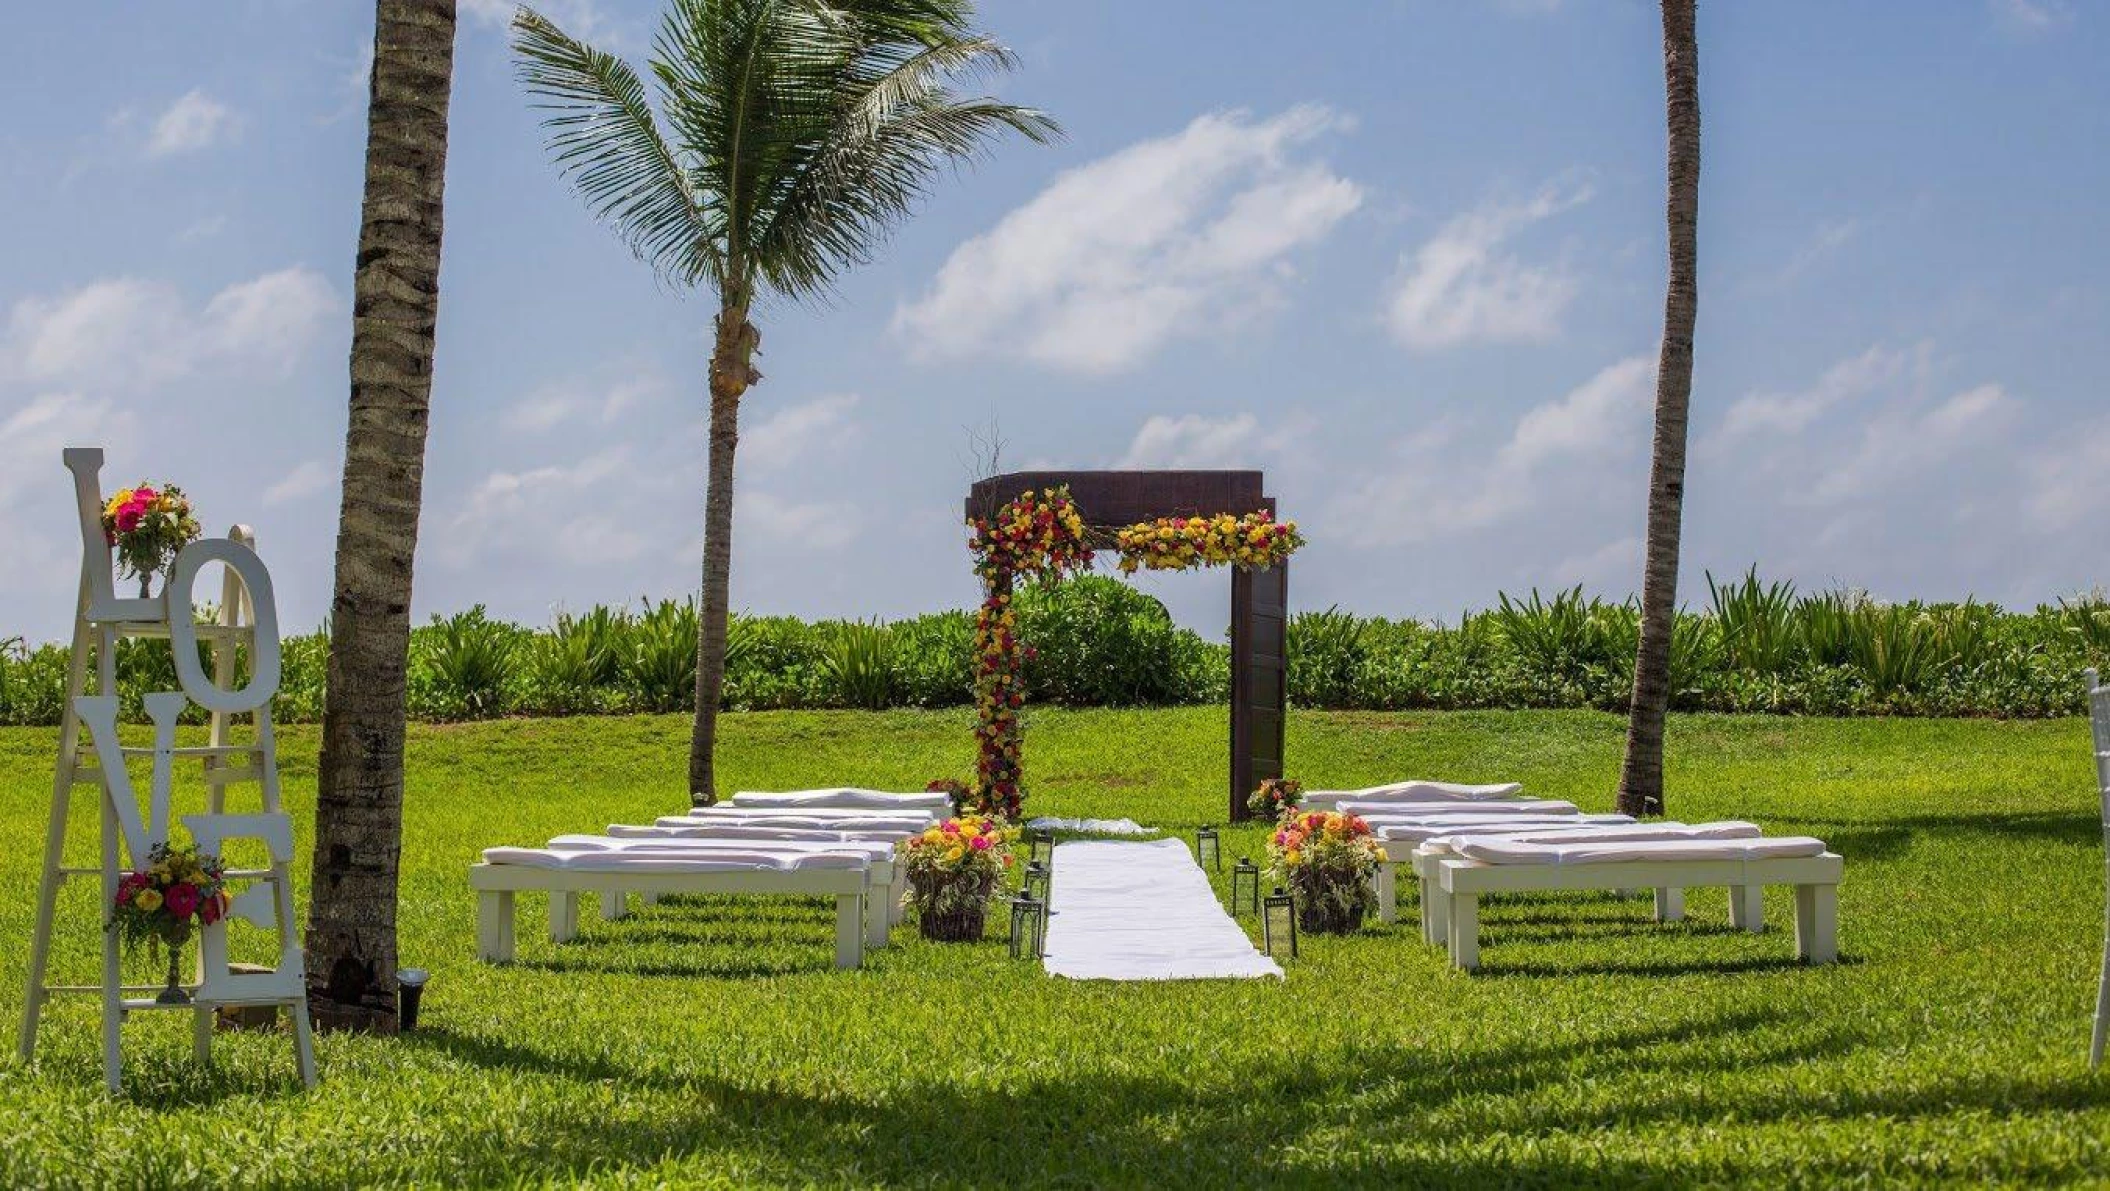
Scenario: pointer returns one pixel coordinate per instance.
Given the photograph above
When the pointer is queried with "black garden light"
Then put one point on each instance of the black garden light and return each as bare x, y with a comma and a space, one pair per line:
1242, 873
410, 989
1038, 876
1281, 899
1029, 926
1208, 849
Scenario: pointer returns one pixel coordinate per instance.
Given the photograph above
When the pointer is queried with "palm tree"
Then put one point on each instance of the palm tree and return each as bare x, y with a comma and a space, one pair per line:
1641, 778
802, 130
351, 935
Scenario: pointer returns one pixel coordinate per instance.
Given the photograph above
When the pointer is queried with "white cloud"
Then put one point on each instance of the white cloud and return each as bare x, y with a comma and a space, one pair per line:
582, 19
1461, 287
193, 123
1910, 441
1614, 566
799, 433
1192, 440
306, 479
1791, 412
2032, 16
802, 525
560, 511
1432, 487
548, 408
2066, 479
125, 332
1163, 239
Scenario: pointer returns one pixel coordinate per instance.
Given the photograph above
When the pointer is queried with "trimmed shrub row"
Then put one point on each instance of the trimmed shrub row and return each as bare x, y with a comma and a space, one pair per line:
1756, 647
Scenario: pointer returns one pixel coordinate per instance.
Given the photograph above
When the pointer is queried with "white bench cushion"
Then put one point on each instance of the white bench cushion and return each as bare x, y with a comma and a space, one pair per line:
843, 796
667, 862
1502, 851
603, 843
742, 831
1597, 833
1419, 791
800, 822
1434, 827
1393, 812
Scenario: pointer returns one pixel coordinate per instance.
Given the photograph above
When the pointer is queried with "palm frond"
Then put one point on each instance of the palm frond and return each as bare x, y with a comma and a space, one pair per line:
607, 142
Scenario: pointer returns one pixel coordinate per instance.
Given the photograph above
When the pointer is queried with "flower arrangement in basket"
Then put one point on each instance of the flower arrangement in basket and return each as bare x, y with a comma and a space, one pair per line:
180, 890
954, 868
1329, 861
953, 788
1275, 797
149, 525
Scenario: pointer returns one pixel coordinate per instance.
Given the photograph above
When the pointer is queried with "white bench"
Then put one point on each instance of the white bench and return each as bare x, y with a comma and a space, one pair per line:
840, 797
884, 893
1470, 867
1412, 792
564, 874
1416, 830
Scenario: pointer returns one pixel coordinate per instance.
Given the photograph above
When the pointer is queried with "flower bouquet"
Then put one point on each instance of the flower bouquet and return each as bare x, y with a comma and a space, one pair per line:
1276, 797
179, 890
953, 870
1329, 861
954, 789
148, 525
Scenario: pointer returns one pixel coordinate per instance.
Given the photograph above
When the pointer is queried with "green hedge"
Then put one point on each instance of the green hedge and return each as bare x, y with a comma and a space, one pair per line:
1098, 642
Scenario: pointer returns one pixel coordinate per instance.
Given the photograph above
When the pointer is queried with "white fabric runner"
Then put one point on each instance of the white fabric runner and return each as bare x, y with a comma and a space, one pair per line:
1095, 826
1142, 911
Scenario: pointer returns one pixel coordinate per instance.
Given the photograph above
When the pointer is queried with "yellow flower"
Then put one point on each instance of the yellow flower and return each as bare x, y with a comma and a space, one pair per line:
148, 900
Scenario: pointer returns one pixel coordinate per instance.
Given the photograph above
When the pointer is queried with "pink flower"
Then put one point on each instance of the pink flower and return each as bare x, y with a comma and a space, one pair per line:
210, 909
181, 900
981, 843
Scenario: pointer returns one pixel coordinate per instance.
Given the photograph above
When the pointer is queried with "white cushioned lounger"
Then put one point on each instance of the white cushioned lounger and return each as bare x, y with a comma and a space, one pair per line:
1420, 828
1415, 791
736, 831
883, 893
844, 796
1666, 857
1375, 811
566, 873
797, 822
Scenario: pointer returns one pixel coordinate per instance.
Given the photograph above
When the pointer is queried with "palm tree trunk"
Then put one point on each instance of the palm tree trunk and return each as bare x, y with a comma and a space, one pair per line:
1641, 779
351, 934
732, 371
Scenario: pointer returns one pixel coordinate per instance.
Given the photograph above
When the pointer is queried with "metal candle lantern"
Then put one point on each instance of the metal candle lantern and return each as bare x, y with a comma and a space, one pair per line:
1037, 877
1243, 873
1281, 899
1208, 850
1029, 918
1039, 840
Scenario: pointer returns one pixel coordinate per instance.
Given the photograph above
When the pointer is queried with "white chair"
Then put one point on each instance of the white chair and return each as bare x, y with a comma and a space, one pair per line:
2099, 720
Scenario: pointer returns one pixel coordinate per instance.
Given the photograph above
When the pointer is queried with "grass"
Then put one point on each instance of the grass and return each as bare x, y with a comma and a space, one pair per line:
709, 1043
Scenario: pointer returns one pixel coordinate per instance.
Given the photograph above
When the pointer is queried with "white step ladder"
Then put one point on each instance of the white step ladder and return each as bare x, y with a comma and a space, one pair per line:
247, 618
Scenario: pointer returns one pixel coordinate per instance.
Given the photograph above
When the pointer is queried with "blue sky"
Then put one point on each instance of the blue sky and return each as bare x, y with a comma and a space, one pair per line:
1405, 255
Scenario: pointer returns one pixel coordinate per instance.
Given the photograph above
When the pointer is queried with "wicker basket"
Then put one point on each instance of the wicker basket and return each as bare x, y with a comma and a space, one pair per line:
967, 909
1320, 915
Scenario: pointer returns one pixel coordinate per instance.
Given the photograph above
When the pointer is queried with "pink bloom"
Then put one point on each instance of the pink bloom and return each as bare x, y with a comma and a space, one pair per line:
981, 843
181, 900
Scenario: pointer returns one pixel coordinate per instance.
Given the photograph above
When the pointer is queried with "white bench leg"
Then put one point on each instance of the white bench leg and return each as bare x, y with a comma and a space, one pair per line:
303, 1042
1387, 893
1464, 930
849, 930
1670, 905
1747, 907
1817, 923
877, 918
614, 906
563, 916
494, 925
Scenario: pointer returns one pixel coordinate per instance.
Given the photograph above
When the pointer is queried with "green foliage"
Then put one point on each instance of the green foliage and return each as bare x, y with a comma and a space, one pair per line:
706, 1042
1757, 647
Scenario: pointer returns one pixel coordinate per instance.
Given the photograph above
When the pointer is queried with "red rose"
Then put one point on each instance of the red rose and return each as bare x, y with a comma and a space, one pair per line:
210, 909
181, 900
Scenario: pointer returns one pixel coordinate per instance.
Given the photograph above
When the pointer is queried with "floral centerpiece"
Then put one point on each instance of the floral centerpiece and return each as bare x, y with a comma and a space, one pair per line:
954, 789
1039, 536
178, 891
1255, 541
1275, 797
953, 870
148, 524
1329, 861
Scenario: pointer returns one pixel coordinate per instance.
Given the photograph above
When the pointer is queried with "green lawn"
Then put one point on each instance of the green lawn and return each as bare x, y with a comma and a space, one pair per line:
711, 1043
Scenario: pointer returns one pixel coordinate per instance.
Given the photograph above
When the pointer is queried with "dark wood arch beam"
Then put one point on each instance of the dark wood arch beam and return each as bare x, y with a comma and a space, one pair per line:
1111, 500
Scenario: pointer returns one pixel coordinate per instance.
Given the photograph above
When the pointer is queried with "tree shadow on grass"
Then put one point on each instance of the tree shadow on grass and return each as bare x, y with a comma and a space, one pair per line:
2077, 827
1398, 1108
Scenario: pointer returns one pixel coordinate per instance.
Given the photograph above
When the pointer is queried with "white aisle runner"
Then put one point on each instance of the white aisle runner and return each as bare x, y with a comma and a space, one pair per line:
1142, 911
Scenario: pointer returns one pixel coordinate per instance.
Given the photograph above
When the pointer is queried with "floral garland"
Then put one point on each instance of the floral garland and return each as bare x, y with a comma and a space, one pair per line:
1038, 536
1255, 541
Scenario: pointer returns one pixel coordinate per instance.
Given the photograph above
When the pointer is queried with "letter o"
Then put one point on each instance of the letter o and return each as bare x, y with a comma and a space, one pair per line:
183, 634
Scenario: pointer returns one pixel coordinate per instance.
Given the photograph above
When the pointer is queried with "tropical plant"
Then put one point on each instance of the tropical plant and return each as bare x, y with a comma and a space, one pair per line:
1757, 622
1326, 657
860, 659
467, 659
661, 662
802, 130
351, 933
1641, 774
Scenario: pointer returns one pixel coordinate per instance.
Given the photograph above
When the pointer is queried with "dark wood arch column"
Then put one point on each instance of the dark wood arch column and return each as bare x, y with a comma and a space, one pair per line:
1112, 500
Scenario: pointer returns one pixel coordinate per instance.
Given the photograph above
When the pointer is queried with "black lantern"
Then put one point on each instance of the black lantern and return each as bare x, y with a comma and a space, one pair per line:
1040, 840
1281, 899
1037, 877
1029, 926
1208, 850
1245, 871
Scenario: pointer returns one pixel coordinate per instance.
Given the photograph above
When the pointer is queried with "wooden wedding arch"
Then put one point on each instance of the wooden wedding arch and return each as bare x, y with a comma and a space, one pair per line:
1111, 500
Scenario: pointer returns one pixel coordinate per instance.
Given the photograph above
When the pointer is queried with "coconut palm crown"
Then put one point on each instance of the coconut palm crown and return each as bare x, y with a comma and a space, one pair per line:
787, 138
